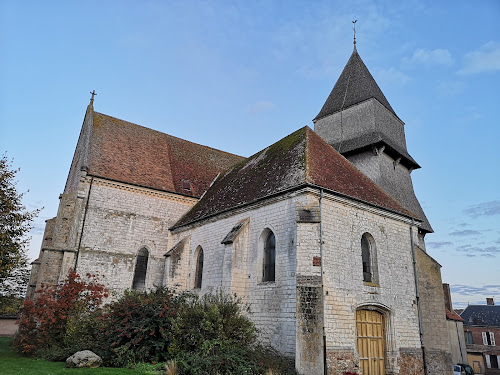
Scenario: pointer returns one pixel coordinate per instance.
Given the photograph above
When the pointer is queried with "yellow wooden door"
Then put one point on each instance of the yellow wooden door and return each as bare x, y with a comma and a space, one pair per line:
371, 342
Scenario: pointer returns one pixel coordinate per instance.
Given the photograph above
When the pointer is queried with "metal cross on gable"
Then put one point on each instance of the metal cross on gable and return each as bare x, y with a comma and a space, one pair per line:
92, 98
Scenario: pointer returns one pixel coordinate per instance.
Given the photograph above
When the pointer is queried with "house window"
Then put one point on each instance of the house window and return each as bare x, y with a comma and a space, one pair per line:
368, 257
199, 269
492, 361
269, 258
488, 338
141, 267
468, 337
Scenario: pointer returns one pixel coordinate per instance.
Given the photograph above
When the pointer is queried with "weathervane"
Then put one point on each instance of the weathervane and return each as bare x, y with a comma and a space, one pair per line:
92, 98
354, 30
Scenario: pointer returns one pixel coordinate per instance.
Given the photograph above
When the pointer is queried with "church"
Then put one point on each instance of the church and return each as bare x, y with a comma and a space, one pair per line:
320, 233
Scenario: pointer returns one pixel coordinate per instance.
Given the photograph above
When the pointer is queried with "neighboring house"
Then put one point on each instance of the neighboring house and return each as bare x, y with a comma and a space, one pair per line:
455, 329
482, 335
321, 232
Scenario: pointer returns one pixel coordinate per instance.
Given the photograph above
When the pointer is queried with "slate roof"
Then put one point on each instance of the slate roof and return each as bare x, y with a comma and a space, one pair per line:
300, 159
354, 85
130, 153
481, 315
378, 139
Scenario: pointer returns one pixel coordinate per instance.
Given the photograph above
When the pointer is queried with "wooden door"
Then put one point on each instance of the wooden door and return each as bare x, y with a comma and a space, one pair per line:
371, 342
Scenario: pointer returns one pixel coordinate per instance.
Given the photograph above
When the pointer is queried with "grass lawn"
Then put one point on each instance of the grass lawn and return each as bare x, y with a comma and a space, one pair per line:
12, 363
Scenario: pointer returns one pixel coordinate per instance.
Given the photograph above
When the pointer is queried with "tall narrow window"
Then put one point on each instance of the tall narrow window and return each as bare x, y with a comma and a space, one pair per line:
141, 267
369, 259
199, 269
269, 258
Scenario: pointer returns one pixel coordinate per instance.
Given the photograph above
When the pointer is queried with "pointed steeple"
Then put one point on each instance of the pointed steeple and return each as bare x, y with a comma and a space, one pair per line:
354, 86
358, 121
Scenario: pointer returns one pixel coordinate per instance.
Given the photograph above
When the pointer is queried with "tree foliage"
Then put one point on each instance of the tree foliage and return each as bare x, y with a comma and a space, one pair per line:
15, 222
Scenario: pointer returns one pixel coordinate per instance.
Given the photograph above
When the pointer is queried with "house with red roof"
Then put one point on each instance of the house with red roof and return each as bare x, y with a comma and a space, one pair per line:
320, 233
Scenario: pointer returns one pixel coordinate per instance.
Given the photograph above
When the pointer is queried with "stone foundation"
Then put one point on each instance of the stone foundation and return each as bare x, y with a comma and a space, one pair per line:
338, 362
410, 362
438, 362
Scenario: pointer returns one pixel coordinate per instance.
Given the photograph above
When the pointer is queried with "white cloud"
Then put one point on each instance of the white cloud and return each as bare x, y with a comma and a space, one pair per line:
390, 76
422, 56
484, 59
261, 106
450, 88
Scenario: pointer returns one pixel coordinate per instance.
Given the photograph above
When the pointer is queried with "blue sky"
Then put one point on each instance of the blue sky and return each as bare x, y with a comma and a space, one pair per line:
239, 75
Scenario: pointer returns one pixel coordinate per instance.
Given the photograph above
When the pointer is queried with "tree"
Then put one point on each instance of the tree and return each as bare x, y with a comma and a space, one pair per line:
15, 222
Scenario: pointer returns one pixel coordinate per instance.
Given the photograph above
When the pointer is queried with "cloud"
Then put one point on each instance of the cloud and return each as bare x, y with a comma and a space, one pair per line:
465, 232
475, 295
485, 59
422, 56
489, 252
450, 88
438, 245
390, 76
484, 209
261, 106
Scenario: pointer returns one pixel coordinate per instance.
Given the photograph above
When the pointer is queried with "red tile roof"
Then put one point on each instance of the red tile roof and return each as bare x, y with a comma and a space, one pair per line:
452, 315
300, 159
126, 152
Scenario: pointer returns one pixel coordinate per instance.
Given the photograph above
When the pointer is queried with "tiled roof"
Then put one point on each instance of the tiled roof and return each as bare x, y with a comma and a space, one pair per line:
452, 315
481, 315
354, 85
300, 159
126, 152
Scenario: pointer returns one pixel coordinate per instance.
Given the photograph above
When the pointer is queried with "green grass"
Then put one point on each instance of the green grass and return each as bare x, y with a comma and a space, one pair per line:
12, 363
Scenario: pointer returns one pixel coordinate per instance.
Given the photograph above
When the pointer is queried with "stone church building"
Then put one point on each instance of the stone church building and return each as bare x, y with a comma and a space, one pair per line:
320, 233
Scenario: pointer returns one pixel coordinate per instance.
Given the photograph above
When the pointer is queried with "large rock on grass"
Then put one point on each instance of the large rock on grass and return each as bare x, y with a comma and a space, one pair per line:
85, 358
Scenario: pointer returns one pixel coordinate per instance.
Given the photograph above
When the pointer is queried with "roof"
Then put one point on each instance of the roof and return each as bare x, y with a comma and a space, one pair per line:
377, 138
300, 159
354, 85
130, 153
452, 315
481, 315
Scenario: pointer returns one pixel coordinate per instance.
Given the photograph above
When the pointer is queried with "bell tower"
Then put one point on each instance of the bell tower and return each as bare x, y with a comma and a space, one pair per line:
358, 121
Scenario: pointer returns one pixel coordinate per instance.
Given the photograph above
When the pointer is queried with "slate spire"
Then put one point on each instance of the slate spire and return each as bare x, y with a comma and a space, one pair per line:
354, 85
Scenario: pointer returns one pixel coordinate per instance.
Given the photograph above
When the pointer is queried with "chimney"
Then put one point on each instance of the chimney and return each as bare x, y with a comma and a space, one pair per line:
447, 297
490, 301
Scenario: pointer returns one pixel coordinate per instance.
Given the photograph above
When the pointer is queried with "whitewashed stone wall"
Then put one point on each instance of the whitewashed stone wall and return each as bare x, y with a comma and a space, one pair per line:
237, 267
120, 220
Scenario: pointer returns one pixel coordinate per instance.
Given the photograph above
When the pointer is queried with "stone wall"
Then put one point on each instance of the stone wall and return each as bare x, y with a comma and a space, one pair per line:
343, 225
272, 304
122, 219
435, 329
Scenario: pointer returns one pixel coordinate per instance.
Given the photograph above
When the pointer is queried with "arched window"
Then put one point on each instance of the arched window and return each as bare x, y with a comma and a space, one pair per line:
199, 269
141, 267
368, 256
269, 258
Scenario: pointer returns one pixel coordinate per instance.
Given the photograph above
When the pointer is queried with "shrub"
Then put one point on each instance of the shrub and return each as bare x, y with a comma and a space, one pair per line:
138, 327
213, 318
44, 321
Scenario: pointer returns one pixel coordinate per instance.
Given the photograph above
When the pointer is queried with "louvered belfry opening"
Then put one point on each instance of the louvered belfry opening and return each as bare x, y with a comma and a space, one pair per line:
141, 267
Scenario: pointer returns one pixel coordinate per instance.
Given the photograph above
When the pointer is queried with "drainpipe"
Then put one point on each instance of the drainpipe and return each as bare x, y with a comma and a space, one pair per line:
322, 278
417, 296
83, 223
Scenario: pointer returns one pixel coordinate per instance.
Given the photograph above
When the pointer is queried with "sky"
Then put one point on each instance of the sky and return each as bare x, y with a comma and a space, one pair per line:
240, 75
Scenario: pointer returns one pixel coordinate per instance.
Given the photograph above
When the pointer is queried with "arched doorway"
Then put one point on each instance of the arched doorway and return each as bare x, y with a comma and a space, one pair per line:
371, 341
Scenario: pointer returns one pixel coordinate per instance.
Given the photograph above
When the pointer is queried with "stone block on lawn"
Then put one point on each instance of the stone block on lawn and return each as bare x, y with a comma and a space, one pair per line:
85, 358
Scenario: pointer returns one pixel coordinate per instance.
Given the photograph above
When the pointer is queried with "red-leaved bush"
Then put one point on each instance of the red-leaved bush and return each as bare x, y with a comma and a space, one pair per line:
44, 320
